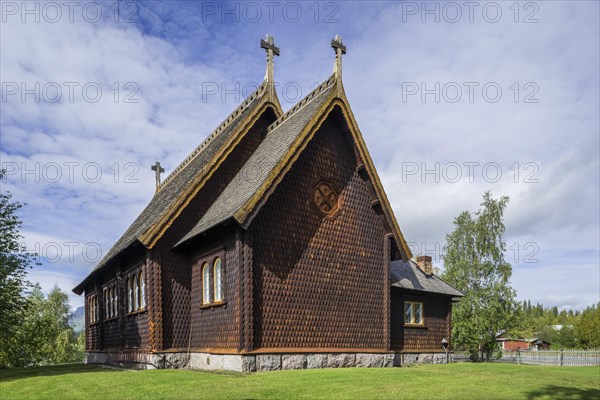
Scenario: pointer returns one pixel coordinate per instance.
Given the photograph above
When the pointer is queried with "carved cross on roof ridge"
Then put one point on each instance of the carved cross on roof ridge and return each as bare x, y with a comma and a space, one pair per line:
340, 49
271, 50
337, 44
158, 170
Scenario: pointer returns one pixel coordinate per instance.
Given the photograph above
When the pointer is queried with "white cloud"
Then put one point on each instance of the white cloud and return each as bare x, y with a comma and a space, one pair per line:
171, 54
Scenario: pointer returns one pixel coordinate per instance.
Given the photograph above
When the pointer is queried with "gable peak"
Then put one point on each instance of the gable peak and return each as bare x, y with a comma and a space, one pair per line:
298, 106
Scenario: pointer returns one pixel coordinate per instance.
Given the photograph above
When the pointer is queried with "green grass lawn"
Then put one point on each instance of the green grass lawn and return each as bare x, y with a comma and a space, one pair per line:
423, 382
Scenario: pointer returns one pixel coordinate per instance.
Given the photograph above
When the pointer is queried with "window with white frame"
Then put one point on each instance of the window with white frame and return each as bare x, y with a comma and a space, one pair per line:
218, 278
211, 271
93, 309
130, 303
111, 301
413, 313
142, 290
136, 290
205, 283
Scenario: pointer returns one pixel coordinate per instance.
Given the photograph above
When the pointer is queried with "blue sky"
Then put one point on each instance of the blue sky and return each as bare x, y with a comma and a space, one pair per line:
452, 100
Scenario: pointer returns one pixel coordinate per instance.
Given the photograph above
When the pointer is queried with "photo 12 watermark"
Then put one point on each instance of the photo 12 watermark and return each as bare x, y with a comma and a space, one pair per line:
516, 252
254, 12
53, 12
63, 252
291, 92
471, 171
68, 172
60, 92
469, 92
452, 12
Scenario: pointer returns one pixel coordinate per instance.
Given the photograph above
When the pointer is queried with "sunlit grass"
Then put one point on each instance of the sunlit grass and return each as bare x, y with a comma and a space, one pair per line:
454, 381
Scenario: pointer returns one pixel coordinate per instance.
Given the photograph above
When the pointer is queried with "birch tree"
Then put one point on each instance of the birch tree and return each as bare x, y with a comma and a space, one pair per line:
474, 263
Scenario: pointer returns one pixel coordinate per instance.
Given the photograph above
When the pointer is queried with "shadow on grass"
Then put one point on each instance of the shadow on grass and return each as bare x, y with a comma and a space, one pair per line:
12, 374
564, 393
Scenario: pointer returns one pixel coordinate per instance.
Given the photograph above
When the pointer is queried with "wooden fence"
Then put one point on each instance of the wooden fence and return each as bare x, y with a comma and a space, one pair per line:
574, 358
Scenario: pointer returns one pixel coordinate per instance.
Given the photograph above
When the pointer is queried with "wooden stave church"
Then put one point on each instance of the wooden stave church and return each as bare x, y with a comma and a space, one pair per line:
286, 211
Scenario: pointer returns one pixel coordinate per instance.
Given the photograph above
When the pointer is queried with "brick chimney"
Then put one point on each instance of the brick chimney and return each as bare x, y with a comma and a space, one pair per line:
425, 265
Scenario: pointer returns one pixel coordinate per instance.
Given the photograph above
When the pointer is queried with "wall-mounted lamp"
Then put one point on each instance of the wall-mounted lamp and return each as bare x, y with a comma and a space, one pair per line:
445, 347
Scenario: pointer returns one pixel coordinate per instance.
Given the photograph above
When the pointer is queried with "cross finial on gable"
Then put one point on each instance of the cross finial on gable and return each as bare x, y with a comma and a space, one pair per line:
271, 49
340, 49
158, 170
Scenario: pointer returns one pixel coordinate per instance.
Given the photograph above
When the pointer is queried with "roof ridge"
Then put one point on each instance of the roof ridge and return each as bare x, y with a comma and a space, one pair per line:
239, 109
299, 105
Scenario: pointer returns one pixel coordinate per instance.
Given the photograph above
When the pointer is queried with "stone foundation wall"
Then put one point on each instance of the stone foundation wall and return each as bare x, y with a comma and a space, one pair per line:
130, 358
265, 362
424, 358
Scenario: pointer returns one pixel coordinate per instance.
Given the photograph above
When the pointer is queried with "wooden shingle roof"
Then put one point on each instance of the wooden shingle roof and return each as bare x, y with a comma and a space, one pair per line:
184, 177
407, 275
257, 170
262, 172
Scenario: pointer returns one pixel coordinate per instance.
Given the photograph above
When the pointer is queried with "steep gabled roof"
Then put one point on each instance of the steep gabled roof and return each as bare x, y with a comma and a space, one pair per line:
269, 154
287, 137
405, 274
179, 187
264, 170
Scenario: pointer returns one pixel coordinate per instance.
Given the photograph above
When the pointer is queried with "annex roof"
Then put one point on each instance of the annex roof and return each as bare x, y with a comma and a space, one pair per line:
407, 275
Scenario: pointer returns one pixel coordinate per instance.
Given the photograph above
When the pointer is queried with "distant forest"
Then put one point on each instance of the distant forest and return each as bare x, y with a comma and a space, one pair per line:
566, 329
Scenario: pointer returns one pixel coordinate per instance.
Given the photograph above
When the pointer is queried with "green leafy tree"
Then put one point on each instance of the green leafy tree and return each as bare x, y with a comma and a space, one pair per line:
474, 264
45, 336
79, 352
587, 328
14, 264
564, 338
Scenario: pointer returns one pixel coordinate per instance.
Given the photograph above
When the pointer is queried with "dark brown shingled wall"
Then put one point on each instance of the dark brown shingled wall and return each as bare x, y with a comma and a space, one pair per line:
397, 320
111, 334
176, 268
436, 323
135, 333
319, 282
130, 331
217, 326
92, 332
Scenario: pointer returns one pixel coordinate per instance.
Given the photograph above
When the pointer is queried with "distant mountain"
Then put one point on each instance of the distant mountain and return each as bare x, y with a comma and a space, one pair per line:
77, 319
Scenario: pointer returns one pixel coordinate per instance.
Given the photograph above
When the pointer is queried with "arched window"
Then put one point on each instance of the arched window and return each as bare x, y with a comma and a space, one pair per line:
135, 292
139, 291
218, 277
106, 307
115, 301
205, 284
143, 289
96, 310
91, 309
129, 294
112, 302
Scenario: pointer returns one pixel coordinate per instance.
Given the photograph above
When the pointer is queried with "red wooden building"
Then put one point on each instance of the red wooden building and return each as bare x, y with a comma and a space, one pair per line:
272, 246
523, 344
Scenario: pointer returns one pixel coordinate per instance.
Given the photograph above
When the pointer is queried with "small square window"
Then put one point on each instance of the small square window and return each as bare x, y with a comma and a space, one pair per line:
413, 313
